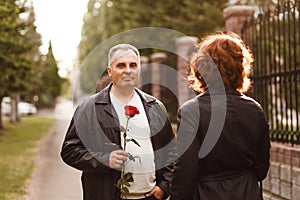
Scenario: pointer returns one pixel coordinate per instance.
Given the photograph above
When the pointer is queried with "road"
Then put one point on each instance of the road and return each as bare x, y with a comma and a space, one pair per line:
52, 179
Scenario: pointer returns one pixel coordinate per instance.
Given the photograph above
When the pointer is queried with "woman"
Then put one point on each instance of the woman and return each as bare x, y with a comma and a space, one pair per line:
223, 135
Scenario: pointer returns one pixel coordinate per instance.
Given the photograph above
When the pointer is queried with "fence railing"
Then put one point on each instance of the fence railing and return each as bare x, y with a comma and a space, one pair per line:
274, 36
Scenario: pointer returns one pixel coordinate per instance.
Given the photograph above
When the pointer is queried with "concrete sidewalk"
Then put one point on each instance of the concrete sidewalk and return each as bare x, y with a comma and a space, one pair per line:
52, 179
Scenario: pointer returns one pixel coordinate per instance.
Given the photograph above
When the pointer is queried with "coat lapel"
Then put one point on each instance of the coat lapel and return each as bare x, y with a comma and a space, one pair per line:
107, 116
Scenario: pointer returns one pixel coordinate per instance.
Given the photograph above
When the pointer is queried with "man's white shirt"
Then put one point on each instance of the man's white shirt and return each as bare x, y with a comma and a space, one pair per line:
143, 168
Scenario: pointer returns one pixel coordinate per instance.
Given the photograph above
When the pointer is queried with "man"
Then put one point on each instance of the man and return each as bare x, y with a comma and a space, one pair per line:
96, 132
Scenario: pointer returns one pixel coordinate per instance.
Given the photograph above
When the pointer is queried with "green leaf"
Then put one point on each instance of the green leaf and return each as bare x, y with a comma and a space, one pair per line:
119, 183
124, 191
131, 157
122, 128
126, 183
114, 144
117, 186
134, 141
128, 177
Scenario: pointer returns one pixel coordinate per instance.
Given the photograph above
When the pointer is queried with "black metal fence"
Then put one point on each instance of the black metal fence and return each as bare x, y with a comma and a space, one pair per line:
274, 36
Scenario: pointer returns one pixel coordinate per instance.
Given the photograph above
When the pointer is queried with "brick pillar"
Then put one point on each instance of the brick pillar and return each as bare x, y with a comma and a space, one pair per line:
185, 46
236, 16
143, 72
238, 19
157, 59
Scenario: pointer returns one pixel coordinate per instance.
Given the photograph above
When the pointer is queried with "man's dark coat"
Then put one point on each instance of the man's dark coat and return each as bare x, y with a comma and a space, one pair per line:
93, 131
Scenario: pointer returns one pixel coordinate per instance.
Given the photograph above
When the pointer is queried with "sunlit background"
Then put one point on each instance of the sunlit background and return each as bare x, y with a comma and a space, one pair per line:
60, 21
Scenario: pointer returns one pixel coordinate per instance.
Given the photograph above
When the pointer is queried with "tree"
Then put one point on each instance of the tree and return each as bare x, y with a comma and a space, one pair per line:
51, 82
11, 42
34, 56
15, 47
20, 50
109, 17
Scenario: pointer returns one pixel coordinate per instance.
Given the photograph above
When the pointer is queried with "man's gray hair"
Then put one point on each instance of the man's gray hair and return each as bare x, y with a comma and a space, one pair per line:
119, 50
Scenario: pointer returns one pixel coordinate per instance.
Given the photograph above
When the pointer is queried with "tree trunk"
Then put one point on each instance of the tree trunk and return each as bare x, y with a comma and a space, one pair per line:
14, 116
1, 118
18, 100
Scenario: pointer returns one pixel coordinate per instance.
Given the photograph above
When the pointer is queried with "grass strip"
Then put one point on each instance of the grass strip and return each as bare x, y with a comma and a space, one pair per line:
18, 143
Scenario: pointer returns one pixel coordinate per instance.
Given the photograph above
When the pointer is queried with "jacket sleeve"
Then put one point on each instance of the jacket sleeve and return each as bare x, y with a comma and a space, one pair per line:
75, 154
262, 157
166, 172
186, 168
164, 143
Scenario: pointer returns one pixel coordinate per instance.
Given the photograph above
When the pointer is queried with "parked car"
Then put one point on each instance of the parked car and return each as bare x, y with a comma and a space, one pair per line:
24, 108
5, 106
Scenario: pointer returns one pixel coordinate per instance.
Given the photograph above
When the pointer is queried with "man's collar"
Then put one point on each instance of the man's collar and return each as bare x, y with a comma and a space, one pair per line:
103, 96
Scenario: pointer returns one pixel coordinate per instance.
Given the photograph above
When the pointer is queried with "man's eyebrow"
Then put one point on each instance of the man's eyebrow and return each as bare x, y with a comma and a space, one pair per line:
129, 62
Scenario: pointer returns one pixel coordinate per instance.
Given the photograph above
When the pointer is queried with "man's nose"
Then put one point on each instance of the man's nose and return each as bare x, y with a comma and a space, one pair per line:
127, 69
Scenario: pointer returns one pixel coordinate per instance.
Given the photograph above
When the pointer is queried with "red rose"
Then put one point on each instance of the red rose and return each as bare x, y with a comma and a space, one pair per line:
131, 111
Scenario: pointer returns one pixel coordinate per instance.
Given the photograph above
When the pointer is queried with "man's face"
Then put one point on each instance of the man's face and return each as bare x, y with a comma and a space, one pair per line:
124, 70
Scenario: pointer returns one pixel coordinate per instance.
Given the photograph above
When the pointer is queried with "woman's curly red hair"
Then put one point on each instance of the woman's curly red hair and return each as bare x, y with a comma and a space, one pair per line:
223, 53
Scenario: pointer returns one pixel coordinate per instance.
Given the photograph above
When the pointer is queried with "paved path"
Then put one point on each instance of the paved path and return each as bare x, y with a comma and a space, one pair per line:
52, 179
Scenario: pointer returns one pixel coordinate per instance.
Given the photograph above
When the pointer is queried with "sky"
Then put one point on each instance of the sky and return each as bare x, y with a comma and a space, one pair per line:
60, 21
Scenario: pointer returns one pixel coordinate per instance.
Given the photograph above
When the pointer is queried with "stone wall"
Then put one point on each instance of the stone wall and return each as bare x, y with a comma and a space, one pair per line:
283, 180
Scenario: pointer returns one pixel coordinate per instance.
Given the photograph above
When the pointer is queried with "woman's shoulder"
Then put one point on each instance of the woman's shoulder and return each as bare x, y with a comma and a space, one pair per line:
250, 101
